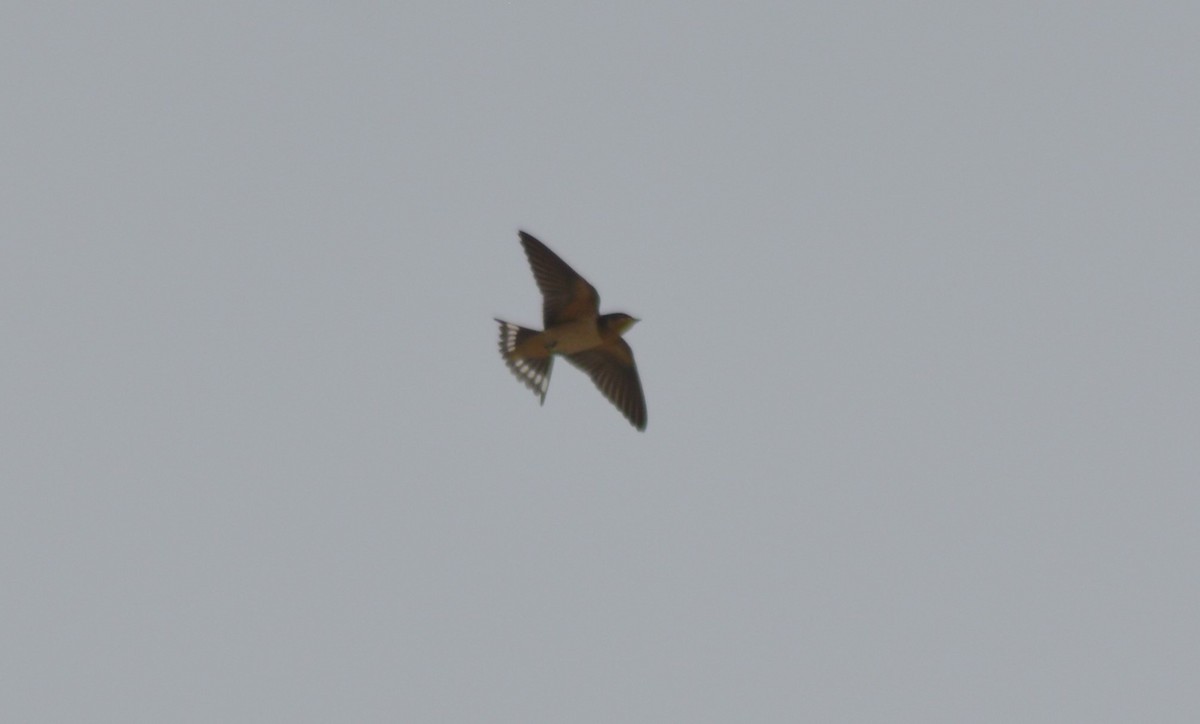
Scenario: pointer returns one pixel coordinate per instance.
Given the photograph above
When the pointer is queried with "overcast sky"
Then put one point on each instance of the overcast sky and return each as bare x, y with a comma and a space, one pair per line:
919, 345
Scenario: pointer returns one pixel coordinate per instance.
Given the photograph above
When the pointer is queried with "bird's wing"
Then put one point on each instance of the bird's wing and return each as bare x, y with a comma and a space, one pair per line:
566, 296
612, 368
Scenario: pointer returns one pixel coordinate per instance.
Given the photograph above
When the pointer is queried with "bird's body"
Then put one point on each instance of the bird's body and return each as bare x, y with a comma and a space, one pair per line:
574, 329
564, 338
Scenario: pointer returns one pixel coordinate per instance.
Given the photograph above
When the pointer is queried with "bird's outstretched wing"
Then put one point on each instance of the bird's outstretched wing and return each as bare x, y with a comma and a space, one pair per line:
612, 368
566, 296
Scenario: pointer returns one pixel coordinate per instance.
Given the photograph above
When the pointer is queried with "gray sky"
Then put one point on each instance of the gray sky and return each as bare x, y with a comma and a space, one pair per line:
920, 351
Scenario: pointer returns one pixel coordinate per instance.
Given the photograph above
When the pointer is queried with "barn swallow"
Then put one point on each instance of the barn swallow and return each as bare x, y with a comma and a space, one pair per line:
574, 329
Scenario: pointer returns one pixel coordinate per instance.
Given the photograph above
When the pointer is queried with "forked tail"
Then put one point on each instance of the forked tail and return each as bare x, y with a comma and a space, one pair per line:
534, 373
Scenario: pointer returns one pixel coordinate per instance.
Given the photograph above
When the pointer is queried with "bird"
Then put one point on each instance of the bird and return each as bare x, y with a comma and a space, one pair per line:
573, 329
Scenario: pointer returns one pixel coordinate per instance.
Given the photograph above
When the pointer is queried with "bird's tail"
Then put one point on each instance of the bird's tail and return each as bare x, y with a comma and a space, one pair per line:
533, 372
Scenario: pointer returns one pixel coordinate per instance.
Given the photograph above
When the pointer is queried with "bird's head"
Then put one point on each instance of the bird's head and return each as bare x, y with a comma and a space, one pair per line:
619, 322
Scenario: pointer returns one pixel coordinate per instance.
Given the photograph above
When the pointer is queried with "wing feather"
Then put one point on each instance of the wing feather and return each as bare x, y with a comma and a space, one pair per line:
614, 373
566, 296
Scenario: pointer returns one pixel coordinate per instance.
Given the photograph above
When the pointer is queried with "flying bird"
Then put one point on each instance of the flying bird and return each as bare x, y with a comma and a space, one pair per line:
574, 329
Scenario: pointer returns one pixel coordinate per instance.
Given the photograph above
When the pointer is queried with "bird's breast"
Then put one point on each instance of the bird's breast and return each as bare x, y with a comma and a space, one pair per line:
573, 337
